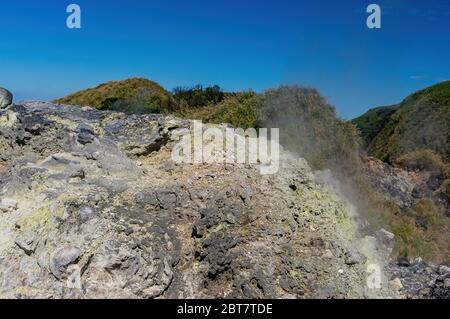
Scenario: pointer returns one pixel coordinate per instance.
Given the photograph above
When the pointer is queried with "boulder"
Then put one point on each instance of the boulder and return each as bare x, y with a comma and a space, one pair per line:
62, 258
6, 98
443, 270
396, 284
27, 242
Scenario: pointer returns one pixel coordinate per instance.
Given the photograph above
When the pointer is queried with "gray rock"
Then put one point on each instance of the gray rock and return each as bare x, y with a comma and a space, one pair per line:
421, 279
447, 283
27, 242
6, 98
353, 257
385, 238
396, 284
8, 204
167, 199
425, 292
86, 134
443, 270
62, 258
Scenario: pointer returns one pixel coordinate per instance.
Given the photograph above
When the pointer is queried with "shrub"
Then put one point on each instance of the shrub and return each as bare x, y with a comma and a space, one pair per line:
425, 213
238, 109
423, 159
422, 231
197, 96
409, 239
143, 102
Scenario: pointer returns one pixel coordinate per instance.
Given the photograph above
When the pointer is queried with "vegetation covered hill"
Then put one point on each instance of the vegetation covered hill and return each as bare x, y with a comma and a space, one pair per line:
373, 121
420, 124
135, 95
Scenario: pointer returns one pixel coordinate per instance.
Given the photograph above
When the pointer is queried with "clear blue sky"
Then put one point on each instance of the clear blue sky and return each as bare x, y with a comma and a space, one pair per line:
237, 44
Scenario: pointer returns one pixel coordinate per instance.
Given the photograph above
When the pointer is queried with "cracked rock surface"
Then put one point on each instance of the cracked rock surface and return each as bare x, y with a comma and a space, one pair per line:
418, 279
92, 206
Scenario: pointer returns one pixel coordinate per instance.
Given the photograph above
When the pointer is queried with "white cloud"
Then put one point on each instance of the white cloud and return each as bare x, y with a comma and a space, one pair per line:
417, 77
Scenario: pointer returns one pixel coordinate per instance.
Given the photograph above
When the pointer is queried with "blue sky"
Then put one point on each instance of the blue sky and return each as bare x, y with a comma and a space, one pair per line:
237, 44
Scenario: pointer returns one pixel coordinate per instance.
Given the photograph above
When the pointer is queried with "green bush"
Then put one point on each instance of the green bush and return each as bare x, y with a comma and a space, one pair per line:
238, 109
143, 102
409, 240
198, 96
422, 231
425, 213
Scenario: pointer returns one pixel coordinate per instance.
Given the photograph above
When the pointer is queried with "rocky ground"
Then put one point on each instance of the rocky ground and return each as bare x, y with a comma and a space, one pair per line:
418, 279
92, 206
415, 278
403, 187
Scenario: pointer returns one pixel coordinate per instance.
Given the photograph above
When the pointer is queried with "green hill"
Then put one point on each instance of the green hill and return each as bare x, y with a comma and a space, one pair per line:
419, 125
372, 122
135, 95
415, 134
